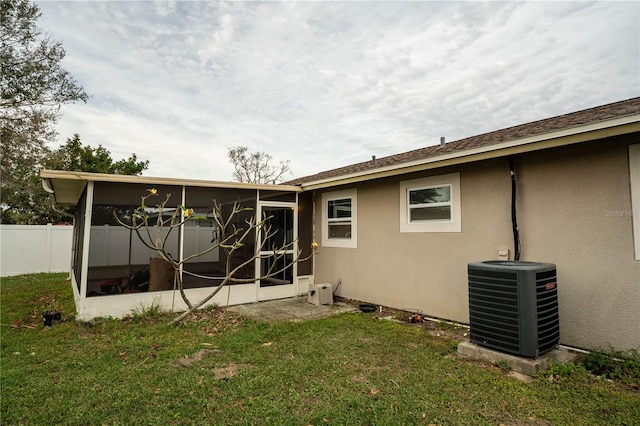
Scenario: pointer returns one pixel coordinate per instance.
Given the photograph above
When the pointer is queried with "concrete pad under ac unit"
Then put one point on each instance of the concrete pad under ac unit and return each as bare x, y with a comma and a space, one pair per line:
528, 366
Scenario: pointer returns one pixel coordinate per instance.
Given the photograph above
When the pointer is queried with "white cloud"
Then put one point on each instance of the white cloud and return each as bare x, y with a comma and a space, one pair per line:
217, 41
165, 8
325, 84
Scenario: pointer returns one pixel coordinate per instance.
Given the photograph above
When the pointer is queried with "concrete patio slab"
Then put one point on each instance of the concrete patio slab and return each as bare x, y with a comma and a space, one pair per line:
292, 309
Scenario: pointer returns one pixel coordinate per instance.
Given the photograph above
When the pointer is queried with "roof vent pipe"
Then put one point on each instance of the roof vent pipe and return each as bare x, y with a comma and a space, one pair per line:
442, 142
373, 160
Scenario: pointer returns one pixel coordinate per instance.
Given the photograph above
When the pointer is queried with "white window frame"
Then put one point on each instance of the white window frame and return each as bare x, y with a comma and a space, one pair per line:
634, 176
340, 242
453, 225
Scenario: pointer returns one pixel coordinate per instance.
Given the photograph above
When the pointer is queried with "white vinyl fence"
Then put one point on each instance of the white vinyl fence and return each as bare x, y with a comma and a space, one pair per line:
109, 245
26, 249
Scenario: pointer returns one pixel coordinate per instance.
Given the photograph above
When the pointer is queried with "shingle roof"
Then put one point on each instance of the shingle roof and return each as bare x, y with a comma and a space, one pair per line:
540, 127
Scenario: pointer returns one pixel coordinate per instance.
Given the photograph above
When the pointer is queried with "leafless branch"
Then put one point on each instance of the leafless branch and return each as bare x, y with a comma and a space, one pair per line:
232, 238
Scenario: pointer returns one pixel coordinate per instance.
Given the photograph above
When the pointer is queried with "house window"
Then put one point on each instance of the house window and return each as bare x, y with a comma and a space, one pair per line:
431, 204
339, 219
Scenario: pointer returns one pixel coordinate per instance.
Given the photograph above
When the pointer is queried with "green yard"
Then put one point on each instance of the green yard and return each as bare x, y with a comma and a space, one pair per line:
219, 368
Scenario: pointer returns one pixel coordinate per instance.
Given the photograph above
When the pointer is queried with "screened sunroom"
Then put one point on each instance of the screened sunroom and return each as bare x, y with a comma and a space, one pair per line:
113, 272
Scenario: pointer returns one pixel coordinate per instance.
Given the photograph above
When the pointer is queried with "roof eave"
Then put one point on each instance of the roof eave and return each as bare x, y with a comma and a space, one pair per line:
68, 186
585, 133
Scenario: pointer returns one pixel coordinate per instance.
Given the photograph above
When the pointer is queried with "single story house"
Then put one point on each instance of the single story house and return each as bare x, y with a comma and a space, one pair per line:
400, 231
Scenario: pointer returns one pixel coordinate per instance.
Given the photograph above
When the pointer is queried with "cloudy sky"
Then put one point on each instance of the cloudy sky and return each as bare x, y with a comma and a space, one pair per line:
327, 84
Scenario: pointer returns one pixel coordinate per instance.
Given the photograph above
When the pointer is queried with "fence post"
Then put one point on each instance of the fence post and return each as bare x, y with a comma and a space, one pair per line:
47, 247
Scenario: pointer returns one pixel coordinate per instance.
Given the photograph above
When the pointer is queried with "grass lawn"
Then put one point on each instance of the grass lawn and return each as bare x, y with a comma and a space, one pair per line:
219, 368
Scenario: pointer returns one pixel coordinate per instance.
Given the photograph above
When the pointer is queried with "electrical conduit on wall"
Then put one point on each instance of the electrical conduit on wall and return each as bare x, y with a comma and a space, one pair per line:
514, 216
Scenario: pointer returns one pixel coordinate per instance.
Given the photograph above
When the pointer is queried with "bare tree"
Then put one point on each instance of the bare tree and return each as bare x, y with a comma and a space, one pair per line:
255, 167
154, 230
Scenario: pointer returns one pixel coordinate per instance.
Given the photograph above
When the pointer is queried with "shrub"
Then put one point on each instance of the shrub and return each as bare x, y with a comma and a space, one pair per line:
614, 364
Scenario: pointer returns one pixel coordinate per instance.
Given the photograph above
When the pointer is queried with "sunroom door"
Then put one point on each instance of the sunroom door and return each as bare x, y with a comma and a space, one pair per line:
280, 231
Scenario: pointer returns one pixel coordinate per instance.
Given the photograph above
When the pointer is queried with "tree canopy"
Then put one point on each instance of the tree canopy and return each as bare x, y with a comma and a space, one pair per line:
26, 202
74, 156
256, 167
34, 84
33, 88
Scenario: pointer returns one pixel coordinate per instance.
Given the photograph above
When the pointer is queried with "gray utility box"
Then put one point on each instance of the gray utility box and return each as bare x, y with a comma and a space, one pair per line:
321, 294
513, 306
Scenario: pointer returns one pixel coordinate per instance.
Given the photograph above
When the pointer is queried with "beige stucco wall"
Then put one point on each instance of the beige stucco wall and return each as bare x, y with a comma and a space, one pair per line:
570, 204
563, 199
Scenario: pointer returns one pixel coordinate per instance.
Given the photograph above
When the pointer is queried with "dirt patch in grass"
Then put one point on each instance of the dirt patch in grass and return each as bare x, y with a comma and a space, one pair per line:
227, 371
216, 320
224, 371
189, 361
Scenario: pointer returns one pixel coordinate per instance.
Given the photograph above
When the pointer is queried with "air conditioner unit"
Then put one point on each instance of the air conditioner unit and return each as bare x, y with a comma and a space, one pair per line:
513, 306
